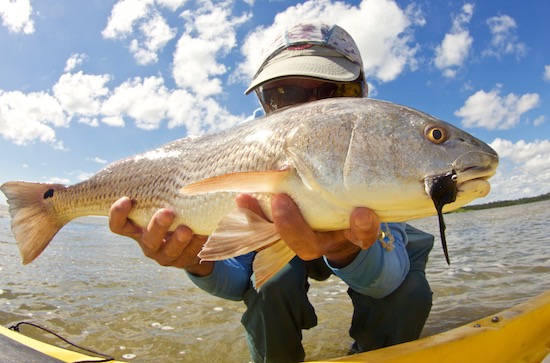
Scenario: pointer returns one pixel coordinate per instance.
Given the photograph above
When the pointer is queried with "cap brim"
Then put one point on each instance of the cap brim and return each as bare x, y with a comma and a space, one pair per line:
337, 69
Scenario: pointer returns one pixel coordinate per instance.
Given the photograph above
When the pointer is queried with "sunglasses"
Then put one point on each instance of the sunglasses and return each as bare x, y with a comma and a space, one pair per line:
282, 96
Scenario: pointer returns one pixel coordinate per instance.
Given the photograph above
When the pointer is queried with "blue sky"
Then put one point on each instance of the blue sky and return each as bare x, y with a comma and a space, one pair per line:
84, 83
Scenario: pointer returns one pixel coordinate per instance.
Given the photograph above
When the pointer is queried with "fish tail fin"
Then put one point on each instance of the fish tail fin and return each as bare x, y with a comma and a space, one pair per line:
34, 220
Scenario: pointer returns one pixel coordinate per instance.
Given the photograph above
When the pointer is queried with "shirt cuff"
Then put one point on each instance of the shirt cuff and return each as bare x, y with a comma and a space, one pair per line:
376, 271
229, 279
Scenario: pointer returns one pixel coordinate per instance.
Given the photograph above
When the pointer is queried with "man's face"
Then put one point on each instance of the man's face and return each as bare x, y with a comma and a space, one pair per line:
297, 90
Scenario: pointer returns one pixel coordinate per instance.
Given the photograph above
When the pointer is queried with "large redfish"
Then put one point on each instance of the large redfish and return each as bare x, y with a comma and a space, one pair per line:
330, 156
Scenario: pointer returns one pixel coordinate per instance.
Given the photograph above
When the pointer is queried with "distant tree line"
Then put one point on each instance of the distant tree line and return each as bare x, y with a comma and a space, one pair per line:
505, 203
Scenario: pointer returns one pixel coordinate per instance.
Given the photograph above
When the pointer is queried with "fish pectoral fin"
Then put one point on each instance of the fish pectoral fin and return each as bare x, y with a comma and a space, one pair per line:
269, 261
239, 232
240, 182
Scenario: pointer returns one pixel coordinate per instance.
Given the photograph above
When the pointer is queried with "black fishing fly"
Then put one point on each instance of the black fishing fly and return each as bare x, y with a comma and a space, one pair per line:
443, 191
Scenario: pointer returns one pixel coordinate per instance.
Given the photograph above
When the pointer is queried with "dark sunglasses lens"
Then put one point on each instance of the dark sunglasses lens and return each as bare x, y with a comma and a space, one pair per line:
293, 95
280, 97
326, 91
349, 90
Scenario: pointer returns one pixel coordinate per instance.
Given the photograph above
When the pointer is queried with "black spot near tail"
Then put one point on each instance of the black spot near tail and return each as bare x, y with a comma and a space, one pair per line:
48, 194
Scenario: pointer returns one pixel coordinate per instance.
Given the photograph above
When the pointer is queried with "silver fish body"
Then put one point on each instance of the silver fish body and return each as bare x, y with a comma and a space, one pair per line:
330, 156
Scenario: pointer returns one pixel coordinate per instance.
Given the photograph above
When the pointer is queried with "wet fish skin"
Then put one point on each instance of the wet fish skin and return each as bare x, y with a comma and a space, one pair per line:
330, 156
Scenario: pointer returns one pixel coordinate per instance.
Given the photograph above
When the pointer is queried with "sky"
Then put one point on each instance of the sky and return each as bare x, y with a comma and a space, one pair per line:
85, 83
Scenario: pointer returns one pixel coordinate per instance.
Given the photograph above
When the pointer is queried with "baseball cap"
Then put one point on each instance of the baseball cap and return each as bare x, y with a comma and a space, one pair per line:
310, 49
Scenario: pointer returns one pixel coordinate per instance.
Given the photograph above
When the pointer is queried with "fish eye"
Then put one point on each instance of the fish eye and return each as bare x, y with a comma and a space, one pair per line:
435, 134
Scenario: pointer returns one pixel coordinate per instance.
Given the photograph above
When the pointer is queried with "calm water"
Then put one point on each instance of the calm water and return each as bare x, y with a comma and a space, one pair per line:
97, 289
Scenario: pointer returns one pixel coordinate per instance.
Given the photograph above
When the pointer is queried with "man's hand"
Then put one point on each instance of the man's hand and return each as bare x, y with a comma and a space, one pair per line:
178, 248
340, 247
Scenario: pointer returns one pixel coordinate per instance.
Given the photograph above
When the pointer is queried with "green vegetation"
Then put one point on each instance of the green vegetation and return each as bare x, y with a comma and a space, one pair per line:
504, 203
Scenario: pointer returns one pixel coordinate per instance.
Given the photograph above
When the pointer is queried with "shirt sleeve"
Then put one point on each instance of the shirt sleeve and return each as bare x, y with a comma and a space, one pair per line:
229, 279
377, 271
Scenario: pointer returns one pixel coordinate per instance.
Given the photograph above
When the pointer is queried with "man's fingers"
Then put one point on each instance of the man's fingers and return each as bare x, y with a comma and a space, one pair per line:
364, 227
293, 229
118, 219
153, 236
247, 201
174, 246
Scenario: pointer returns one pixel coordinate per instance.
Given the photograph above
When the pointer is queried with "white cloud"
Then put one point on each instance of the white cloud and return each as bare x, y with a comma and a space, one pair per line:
144, 100
183, 111
539, 120
210, 34
28, 117
156, 33
453, 51
382, 31
56, 180
123, 16
16, 15
90, 121
98, 160
173, 5
80, 94
546, 75
153, 30
114, 121
504, 39
149, 103
198, 115
529, 154
74, 61
211, 117
81, 176
524, 169
492, 111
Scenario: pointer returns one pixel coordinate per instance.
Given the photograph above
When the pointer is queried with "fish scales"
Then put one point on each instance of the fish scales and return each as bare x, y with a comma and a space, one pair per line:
330, 156
153, 184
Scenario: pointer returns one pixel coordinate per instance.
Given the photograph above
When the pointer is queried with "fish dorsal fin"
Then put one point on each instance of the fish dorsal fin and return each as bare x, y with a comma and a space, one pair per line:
239, 232
240, 182
269, 261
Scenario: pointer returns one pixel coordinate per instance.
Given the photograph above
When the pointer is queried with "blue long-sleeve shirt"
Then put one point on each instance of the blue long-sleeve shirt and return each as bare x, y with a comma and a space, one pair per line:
375, 272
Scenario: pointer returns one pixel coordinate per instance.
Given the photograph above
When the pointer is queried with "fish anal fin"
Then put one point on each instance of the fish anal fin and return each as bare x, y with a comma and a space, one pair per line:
269, 261
239, 232
240, 182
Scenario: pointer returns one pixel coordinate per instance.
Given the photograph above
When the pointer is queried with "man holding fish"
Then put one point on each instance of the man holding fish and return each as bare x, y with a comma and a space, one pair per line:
383, 264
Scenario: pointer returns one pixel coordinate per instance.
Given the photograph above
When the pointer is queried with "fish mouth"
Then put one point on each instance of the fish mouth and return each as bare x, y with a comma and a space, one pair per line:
472, 181
459, 182
474, 173
475, 166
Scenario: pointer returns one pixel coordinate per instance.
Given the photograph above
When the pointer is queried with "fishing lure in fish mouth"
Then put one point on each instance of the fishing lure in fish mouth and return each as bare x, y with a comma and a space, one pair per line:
443, 190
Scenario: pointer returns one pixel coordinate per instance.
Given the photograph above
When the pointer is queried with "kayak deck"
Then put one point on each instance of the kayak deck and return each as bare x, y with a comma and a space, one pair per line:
518, 334
17, 347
